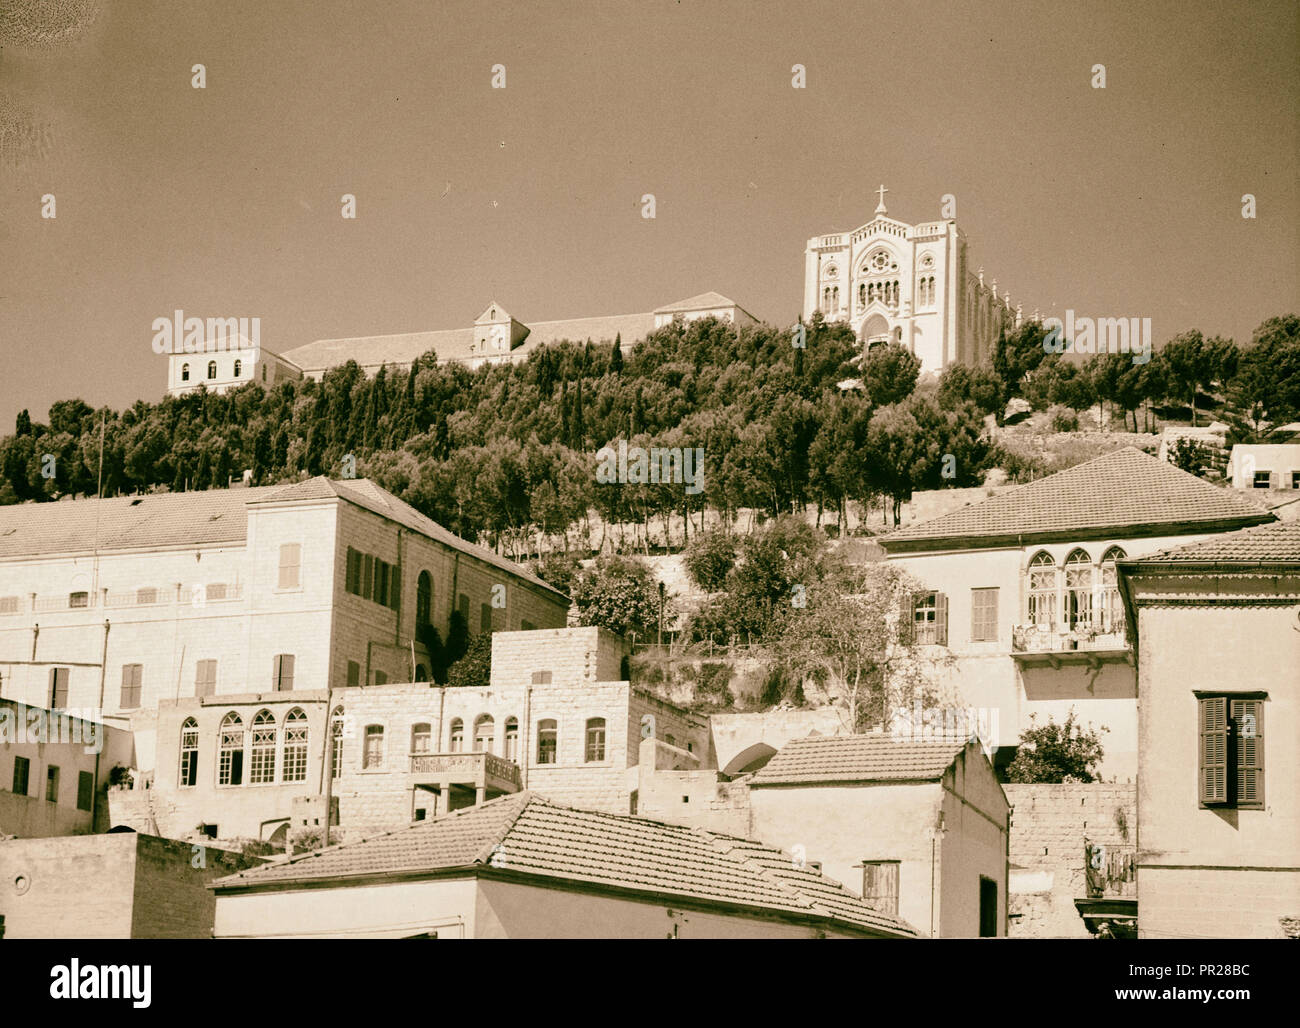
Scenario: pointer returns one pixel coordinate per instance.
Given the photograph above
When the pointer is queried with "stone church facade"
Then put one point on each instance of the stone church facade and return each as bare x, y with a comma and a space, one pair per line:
909, 284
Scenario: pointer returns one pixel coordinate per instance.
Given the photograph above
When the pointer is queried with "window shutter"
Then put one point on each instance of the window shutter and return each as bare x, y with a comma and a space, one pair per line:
907, 619
1248, 734
941, 619
880, 885
1214, 749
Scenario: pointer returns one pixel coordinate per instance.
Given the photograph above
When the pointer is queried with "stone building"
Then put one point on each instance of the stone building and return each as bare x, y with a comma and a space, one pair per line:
122, 885
526, 867
907, 284
153, 610
1217, 632
1020, 591
224, 363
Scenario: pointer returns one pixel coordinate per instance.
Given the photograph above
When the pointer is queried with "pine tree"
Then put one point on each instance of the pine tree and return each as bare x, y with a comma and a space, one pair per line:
616, 358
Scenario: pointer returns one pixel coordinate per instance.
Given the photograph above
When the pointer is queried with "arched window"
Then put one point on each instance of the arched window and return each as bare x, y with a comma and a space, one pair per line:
421, 738
261, 757
826, 299
238, 367
1078, 590
547, 739
372, 755
595, 740
230, 747
1042, 590
421, 673
512, 739
484, 732
862, 294
185, 372
1112, 606
336, 734
423, 599
457, 742
189, 774
212, 369
295, 746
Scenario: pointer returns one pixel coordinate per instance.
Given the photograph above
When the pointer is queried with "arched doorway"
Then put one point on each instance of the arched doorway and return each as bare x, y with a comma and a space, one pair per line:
875, 330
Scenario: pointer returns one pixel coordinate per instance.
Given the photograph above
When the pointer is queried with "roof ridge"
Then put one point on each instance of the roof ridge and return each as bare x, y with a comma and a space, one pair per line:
526, 798
726, 845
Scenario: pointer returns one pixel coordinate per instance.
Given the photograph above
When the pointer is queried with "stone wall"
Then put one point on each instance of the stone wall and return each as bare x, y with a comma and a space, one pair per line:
1048, 826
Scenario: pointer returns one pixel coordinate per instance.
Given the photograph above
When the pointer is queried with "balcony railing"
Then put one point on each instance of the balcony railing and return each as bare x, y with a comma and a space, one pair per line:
466, 767
1054, 638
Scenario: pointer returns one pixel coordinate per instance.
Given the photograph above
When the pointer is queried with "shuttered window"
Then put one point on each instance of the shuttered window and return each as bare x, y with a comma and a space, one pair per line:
1231, 772
132, 677
984, 615
880, 885
928, 620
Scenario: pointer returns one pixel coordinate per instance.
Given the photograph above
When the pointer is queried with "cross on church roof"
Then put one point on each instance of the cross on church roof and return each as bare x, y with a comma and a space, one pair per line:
880, 207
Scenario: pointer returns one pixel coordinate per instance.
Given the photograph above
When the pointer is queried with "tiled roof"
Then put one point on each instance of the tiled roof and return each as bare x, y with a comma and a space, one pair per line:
1125, 488
529, 835
204, 518
128, 522
857, 758
1265, 544
703, 302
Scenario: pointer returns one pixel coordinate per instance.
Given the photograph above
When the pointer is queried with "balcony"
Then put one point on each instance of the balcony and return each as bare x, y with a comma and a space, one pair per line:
454, 775
1056, 645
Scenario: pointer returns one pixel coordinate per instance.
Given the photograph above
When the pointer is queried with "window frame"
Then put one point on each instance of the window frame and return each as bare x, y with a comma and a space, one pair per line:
131, 689
553, 740
595, 738
188, 764
278, 676
1222, 744
289, 550
230, 772
984, 629
369, 761
264, 738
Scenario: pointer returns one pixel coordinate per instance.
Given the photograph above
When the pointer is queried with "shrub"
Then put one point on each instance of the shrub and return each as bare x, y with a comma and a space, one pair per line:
708, 560
1053, 754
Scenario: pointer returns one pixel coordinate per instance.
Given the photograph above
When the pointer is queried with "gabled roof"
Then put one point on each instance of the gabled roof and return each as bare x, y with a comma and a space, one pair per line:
1124, 492
526, 835
364, 493
1278, 543
857, 758
702, 302
205, 518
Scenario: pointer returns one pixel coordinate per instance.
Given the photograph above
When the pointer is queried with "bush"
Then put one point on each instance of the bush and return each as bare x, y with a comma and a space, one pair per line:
1189, 455
618, 593
1063, 419
559, 570
474, 669
709, 558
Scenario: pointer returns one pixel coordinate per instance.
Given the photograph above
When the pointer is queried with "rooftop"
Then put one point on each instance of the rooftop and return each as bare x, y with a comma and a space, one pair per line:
857, 758
1277, 543
1121, 492
525, 834
202, 518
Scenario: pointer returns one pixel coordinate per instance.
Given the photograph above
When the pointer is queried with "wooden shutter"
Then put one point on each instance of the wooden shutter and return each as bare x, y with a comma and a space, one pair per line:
907, 619
880, 885
941, 618
1213, 718
1248, 738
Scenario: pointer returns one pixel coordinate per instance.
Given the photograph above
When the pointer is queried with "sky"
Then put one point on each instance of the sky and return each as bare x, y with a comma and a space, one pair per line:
225, 201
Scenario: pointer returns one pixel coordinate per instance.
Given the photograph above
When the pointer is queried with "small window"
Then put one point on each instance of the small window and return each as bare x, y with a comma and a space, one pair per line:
1295, 480
22, 769
1262, 479
282, 672
239, 366
189, 769
381, 678
290, 565
354, 673
132, 676
541, 678
424, 599
212, 369
353, 580
336, 740
421, 737
78, 600
988, 908
595, 740
547, 737
205, 678
185, 372
512, 739
463, 606
59, 687
984, 615
85, 790
373, 754
52, 784
929, 619
485, 618
484, 733
456, 742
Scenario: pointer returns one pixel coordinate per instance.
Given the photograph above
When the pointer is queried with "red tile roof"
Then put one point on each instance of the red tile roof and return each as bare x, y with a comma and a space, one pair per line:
1123, 489
1264, 544
529, 835
857, 758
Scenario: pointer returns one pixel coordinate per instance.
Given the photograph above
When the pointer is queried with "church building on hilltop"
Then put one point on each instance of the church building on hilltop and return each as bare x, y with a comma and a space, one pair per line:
909, 284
